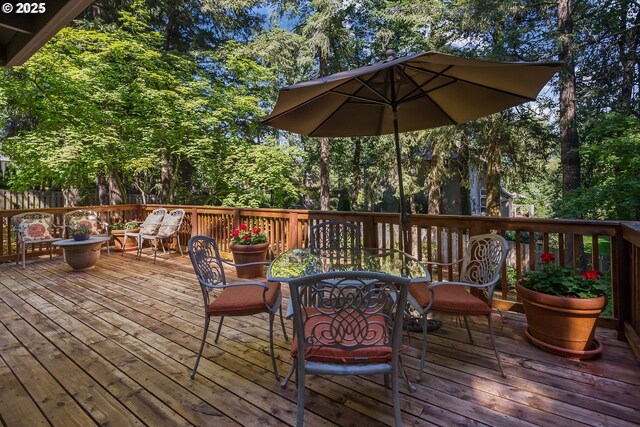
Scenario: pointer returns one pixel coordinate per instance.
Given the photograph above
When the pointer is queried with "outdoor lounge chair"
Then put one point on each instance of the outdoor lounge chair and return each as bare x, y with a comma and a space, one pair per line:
33, 228
348, 323
484, 256
149, 227
335, 234
86, 217
236, 299
169, 228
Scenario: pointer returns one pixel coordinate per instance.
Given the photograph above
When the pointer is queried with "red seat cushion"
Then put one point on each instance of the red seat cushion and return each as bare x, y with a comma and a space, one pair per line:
243, 300
319, 327
452, 299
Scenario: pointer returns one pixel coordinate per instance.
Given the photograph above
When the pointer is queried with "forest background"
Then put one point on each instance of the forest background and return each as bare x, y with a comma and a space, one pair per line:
165, 98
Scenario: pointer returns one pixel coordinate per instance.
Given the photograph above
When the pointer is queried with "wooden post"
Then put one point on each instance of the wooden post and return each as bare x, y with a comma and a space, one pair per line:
621, 284
370, 232
236, 219
194, 222
292, 233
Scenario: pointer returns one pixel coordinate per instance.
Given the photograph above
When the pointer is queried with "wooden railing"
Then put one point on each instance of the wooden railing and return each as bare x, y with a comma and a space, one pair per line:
612, 247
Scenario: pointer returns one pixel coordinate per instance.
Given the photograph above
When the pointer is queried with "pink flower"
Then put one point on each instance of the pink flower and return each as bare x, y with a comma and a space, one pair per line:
547, 257
246, 236
243, 227
256, 230
235, 233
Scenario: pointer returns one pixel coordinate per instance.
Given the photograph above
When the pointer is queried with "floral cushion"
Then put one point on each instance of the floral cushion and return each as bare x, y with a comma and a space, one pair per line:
90, 221
151, 225
35, 229
169, 226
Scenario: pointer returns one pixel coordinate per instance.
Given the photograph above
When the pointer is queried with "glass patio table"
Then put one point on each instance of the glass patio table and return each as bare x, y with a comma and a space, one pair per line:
297, 263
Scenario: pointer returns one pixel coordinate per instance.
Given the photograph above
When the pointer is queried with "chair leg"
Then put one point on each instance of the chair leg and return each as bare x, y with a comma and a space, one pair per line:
284, 330
423, 357
219, 328
466, 322
24, 254
204, 339
300, 384
155, 249
108, 243
179, 246
284, 382
395, 393
273, 353
495, 349
124, 244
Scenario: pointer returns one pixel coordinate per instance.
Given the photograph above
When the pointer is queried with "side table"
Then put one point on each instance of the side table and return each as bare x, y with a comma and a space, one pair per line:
82, 255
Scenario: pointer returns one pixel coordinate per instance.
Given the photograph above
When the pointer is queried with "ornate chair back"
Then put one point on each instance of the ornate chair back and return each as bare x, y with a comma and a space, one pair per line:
84, 217
348, 323
171, 223
484, 256
335, 234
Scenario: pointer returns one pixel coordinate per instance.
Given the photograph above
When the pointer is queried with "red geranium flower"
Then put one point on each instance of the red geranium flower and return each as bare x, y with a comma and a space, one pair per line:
547, 257
243, 226
591, 275
256, 230
246, 236
235, 233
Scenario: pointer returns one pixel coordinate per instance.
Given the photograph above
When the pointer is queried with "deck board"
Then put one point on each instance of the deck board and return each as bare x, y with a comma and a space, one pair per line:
116, 345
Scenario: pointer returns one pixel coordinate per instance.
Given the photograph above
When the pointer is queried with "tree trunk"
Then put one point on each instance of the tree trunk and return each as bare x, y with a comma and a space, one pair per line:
434, 198
569, 143
71, 196
357, 176
171, 29
115, 189
494, 157
165, 176
324, 174
103, 189
628, 50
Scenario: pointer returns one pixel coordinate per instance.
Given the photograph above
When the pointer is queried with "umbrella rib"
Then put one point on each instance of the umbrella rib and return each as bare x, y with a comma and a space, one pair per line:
366, 84
424, 94
457, 79
420, 87
361, 98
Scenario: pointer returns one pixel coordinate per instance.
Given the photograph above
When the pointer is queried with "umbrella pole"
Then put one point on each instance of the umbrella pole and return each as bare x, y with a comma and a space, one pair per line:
404, 217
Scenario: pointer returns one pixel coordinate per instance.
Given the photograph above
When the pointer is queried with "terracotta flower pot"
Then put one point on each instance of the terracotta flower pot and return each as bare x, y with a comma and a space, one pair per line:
562, 325
243, 254
118, 239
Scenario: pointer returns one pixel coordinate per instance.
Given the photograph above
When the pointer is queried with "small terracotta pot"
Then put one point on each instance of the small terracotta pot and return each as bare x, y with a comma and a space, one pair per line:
562, 325
118, 239
243, 254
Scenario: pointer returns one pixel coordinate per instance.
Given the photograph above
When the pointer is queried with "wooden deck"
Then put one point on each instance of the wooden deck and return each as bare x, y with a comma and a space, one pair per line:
115, 346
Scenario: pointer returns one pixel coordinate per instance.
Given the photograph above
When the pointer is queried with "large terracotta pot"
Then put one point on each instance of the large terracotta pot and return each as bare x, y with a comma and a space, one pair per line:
118, 239
562, 325
243, 254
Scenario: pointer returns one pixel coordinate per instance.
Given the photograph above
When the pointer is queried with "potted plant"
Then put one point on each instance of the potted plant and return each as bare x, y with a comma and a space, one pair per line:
117, 231
80, 232
562, 308
249, 246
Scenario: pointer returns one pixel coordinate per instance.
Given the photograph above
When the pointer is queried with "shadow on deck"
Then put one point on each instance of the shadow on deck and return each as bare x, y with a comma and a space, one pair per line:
116, 345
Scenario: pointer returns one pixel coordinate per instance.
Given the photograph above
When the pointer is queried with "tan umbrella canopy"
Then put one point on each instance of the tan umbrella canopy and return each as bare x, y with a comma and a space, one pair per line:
404, 94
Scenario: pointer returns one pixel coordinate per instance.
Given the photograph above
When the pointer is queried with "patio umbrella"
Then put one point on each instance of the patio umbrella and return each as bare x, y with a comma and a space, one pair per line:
410, 93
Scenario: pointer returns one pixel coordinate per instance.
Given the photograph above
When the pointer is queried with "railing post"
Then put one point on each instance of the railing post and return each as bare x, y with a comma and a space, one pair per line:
370, 232
292, 233
622, 286
194, 222
235, 222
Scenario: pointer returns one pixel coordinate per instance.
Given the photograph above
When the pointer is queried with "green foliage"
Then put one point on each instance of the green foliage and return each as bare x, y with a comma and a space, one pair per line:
130, 225
554, 279
79, 229
611, 188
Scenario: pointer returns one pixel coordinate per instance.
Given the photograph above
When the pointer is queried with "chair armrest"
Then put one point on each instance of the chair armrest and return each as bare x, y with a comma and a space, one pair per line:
471, 285
442, 263
249, 263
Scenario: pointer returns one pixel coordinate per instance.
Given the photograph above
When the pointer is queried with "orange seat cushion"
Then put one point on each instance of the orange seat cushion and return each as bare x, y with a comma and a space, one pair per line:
320, 328
453, 299
244, 300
